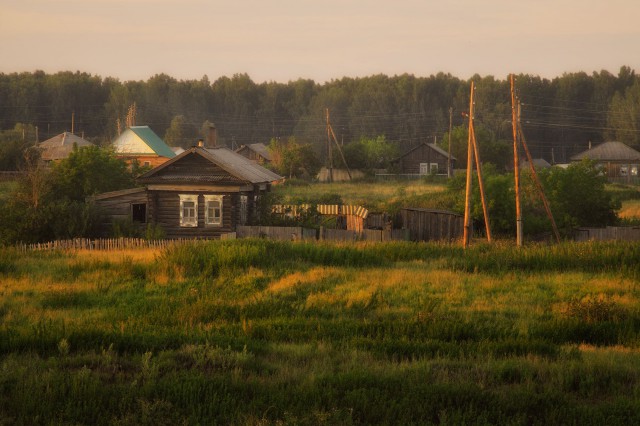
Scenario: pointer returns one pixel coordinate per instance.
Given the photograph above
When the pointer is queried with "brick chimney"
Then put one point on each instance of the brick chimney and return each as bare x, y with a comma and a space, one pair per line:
212, 136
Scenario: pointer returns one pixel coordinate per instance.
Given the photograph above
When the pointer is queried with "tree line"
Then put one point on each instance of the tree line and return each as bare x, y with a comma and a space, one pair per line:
560, 115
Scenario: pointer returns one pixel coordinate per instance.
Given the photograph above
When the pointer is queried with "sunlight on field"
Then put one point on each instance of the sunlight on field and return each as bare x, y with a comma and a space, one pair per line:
630, 209
369, 194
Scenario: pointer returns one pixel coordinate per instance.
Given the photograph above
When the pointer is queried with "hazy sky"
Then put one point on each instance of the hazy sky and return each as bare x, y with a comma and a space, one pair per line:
284, 40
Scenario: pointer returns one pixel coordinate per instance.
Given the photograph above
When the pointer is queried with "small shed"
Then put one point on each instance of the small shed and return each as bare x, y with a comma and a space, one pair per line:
424, 159
60, 146
431, 225
620, 162
257, 152
142, 144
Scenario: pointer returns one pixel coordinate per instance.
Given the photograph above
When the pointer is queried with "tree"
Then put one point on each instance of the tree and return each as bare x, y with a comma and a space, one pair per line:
293, 159
370, 153
175, 134
89, 171
578, 197
624, 115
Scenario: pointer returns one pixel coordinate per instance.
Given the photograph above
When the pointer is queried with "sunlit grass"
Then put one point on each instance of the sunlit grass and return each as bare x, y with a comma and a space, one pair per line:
259, 332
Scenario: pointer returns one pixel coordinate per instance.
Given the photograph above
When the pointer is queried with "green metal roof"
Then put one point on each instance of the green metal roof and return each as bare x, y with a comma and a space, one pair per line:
155, 143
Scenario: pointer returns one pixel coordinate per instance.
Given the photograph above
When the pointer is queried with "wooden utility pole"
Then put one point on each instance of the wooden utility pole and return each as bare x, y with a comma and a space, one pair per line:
73, 118
485, 210
467, 199
329, 150
516, 165
449, 171
537, 180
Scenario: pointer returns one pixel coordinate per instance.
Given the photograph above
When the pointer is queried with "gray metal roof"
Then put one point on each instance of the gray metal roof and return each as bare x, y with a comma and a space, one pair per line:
609, 151
60, 146
240, 166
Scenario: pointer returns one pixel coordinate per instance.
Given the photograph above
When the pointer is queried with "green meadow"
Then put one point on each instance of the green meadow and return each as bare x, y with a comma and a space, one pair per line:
256, 332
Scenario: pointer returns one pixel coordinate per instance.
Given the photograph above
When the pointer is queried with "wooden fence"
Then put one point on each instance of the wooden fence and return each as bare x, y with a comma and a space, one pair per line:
294, 233
610, 233
283, 233
109, 243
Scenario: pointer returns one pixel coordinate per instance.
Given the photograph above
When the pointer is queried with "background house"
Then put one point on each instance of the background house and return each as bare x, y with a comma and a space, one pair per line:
201, 193
619, 161
257, 152
424, 159
60, 146
142, 144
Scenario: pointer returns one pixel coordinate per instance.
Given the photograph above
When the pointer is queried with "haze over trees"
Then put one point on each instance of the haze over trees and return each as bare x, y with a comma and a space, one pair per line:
560, 116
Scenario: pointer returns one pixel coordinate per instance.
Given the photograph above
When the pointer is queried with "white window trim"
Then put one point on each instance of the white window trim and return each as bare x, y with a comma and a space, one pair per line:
424, 168
433, 166
188, 222
209, 220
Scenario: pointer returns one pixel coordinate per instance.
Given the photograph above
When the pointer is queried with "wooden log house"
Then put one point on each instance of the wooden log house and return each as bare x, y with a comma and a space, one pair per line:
201, 193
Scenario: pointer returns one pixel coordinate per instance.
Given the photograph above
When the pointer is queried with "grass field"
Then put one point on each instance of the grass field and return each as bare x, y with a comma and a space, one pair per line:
376, 196
258, 332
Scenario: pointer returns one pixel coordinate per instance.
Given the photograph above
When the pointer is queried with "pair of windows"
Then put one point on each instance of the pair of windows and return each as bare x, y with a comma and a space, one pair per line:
189, 210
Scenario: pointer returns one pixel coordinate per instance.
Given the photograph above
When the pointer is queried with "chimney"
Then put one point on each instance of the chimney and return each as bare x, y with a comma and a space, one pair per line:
212, 136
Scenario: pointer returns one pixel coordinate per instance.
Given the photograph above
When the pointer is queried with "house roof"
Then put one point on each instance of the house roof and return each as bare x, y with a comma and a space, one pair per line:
538, 163
430, 145
237, 166
259, 148
60, 146
609, 151
140, 140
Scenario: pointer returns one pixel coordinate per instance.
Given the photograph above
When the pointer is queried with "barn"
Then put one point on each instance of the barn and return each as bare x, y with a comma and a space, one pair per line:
201, 193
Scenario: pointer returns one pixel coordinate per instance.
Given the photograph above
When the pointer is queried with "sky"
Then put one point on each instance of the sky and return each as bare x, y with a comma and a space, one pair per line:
284, 40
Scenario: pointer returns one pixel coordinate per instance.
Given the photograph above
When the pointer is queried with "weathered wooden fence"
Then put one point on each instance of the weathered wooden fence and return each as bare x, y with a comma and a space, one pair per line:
294, 233
286, 233
109, 243
609, 233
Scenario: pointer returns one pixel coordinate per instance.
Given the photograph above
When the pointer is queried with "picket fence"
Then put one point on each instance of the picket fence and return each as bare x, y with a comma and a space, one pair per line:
109, 244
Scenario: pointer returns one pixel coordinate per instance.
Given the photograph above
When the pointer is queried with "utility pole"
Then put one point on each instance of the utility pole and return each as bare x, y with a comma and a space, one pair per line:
467, 198
37, 136
449, 171
485, 210
516, 165
537, 180
73, 118
330, 134
329, 151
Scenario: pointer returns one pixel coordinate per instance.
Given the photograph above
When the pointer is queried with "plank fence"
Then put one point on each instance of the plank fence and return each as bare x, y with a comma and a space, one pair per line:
610, 233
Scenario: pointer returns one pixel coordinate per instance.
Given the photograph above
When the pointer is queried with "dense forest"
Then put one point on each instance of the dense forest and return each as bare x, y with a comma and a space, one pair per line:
560, 116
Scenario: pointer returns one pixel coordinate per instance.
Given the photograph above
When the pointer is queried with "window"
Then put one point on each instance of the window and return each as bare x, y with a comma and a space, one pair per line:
424, 168
433, 168
189, 210
147, 163
623, 170
139, 213
213, 210
243, 209
634, 170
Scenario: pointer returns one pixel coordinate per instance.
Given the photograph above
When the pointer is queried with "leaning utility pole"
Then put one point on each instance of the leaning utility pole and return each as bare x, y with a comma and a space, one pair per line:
330, 135
472, 151
537, 180
467, 198
516, 165
449, 174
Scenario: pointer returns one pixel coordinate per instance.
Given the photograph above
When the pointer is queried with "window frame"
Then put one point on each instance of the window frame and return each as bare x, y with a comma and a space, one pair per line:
210, 220
189, 222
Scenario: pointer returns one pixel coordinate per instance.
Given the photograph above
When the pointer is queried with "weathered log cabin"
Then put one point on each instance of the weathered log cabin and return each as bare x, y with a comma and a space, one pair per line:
201, 193
424, 159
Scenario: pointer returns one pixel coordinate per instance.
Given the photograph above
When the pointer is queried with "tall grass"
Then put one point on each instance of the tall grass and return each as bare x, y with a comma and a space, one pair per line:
263, 332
